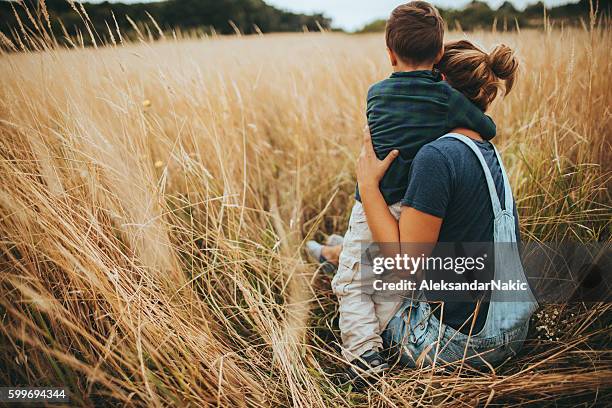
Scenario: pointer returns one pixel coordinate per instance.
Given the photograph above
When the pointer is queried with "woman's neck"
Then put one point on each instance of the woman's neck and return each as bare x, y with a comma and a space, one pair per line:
469, 133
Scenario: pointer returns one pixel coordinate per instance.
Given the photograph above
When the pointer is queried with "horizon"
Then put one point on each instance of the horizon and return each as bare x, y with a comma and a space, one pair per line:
351, 15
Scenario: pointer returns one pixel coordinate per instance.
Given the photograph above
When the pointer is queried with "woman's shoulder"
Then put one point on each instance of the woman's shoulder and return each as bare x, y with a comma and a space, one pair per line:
445, 146
434, 158
452, 152
455, 146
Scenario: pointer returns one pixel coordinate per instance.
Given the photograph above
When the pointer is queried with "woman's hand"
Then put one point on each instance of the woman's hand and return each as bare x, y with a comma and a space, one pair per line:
370, 170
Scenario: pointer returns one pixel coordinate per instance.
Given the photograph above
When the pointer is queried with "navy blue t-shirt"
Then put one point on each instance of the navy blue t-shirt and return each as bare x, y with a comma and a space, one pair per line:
447, 181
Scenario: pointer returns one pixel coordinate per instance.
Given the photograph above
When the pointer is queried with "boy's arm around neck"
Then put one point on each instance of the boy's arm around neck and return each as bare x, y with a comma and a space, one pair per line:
463, 113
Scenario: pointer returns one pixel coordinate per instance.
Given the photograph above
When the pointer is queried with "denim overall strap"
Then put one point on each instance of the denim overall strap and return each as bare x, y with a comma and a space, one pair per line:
508, 197
485, 168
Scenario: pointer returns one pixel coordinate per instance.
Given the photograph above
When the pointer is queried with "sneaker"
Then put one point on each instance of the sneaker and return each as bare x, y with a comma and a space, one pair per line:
367, 369
314, 250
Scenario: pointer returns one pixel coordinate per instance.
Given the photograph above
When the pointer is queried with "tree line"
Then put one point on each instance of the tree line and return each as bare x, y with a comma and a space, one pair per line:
479, 14
203, 16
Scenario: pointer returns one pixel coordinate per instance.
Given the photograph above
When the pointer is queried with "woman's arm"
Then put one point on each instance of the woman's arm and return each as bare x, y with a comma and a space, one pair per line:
414, 226
382, 223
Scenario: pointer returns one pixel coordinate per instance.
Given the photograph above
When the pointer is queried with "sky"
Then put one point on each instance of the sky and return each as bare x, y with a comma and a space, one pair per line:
353, 14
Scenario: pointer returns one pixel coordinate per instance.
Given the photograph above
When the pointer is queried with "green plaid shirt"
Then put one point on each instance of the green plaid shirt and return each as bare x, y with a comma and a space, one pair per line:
410, 109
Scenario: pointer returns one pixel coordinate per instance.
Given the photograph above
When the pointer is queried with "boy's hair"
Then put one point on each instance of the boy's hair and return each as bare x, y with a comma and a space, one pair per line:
476, 74
415, 32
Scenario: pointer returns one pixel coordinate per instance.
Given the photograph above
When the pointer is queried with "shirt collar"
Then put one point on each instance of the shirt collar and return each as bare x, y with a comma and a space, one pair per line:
433, 75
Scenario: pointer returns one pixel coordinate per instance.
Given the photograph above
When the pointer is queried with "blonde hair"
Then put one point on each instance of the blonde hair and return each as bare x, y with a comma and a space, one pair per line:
476, 74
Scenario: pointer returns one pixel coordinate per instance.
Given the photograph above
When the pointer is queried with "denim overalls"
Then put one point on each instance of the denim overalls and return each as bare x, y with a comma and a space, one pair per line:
419, 336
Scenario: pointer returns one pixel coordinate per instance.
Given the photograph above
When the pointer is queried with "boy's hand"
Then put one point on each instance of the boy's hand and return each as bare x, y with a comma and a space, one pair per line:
370, 170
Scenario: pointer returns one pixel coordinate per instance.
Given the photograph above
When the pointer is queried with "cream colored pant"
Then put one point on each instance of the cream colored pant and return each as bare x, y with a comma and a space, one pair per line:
363, 313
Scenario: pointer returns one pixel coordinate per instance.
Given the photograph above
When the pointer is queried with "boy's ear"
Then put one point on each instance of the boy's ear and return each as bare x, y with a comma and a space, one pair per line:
392, 57
440, 55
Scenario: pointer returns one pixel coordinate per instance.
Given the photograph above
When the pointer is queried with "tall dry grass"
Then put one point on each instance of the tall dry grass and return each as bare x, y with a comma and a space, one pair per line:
154, 199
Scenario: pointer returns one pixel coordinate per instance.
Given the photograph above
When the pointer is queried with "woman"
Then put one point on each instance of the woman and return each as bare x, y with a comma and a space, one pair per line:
458, 193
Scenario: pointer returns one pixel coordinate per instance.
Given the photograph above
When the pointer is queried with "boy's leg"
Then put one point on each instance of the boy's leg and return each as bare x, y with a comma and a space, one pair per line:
359, 324
387, 304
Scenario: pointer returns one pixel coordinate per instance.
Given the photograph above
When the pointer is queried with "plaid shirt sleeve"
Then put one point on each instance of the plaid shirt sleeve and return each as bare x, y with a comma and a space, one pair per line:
463, 113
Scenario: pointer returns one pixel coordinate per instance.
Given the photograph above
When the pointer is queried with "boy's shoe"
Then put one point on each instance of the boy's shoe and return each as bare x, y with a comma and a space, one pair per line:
314, 249
367, 369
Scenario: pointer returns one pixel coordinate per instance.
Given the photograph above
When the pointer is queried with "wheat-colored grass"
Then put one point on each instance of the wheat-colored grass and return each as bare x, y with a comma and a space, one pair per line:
154, 199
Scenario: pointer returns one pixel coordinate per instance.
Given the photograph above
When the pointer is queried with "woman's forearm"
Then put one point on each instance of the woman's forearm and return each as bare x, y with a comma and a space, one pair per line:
382, 223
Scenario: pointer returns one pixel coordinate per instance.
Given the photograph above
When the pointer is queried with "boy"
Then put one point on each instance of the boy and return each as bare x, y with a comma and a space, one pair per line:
405, 111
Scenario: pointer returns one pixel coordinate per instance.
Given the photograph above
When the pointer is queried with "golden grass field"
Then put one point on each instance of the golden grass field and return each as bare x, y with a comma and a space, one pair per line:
155, 198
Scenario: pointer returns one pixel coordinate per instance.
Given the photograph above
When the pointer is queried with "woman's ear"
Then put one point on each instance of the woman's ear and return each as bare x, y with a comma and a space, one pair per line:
392, 57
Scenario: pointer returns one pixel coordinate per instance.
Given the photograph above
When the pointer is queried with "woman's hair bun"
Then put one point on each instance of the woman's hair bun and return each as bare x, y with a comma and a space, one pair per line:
476, 74
504, 64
